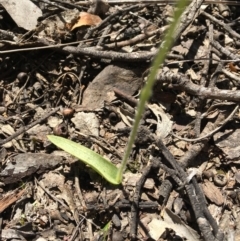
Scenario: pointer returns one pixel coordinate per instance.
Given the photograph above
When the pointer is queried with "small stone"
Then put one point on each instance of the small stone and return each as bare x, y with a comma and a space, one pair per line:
116, 221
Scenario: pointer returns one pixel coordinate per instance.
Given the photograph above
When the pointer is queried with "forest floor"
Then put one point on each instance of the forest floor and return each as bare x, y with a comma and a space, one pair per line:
75, 69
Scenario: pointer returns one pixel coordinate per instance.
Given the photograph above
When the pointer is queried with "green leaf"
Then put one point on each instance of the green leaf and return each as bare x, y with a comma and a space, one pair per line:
106, 230
101, 165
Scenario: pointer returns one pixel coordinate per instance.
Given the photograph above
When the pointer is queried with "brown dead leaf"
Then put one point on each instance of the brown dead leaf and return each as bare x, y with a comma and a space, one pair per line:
193, 75
232, 67
228, 141
212, 114
212, 193
181, 144
176, 151
86, 19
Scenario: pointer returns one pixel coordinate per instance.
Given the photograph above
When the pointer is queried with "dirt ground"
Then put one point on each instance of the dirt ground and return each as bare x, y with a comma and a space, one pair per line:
75, 69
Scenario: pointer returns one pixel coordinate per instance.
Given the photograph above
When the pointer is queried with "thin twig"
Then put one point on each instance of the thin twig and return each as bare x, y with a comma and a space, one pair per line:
210, 133
225, 26
53, 197
135, 203
25, 128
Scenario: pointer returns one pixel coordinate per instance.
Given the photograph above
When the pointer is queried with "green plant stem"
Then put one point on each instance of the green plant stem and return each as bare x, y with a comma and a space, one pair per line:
147, 89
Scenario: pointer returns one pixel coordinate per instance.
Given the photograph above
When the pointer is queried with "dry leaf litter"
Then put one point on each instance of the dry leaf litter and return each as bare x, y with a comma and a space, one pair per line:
75, 69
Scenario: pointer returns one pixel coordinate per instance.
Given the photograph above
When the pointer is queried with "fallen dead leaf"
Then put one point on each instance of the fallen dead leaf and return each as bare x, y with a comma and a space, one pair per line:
228, 142
157, 227
87, 19
164, 124
212, 193
232, 67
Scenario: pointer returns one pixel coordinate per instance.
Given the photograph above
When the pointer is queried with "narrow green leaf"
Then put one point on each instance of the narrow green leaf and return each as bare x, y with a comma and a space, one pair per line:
106, 230
101, 165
